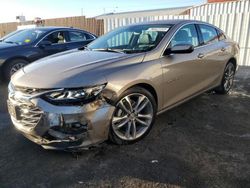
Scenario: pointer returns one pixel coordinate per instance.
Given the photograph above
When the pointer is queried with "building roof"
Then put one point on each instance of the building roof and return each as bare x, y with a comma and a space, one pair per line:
164, 11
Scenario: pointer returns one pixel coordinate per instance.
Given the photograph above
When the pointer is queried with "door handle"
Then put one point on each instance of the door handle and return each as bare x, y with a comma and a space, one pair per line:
223, 49
200, 56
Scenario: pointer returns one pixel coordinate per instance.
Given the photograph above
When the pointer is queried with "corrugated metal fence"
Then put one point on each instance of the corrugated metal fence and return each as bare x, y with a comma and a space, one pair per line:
221, 8
231, 17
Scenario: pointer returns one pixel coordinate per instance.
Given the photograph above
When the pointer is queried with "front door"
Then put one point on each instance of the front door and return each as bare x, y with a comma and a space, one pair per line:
58, 43
183, 73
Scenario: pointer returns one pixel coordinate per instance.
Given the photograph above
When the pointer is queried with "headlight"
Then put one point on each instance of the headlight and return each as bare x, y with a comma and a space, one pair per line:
72, 96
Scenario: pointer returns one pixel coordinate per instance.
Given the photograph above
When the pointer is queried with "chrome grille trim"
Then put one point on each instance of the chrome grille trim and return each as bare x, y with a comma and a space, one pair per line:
30, 115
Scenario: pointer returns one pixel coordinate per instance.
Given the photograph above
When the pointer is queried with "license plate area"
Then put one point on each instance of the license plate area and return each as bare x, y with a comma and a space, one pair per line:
14, 111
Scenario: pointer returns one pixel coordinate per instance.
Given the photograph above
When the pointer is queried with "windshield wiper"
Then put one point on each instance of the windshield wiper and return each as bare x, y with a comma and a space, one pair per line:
128, 51
10, 42
109, 50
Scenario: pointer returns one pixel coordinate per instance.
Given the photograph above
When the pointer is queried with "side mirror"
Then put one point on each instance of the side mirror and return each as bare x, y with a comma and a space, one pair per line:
180, 49
44, 43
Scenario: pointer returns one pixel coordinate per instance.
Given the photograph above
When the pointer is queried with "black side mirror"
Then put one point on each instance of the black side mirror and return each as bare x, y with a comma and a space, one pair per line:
44, 43
180, 49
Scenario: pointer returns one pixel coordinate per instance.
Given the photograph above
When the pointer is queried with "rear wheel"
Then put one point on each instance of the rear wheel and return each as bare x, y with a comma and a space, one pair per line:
133, 117
12, 67
227, 80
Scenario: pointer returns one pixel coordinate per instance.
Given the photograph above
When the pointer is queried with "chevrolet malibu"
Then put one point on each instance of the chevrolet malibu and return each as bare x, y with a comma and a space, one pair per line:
114, 87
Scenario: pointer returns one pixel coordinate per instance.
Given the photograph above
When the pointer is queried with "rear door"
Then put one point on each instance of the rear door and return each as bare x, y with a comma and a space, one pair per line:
213, 54
77, 39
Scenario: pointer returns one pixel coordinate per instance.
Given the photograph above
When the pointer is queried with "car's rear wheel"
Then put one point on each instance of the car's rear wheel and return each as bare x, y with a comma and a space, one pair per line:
12, 67
133, 117
227, 80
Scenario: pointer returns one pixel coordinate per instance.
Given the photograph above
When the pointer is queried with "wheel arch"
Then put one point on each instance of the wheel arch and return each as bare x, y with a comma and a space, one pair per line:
145, 85
149, 88
4, 65
14, 58
234, 61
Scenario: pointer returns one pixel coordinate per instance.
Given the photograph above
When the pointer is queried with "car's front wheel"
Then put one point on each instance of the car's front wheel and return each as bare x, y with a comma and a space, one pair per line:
133, 117
227, 80
13, 66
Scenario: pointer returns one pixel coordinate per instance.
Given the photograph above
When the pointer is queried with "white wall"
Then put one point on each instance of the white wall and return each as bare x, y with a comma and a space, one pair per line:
231, 17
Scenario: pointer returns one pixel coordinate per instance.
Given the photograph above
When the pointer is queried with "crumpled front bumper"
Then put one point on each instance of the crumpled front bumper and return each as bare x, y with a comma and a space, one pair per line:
67, 127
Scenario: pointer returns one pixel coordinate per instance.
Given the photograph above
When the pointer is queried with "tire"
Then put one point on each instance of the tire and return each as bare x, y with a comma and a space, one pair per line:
13, 66
227, 80
131, 123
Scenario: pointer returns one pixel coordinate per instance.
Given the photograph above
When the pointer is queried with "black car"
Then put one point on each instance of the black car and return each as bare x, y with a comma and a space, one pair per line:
25, 46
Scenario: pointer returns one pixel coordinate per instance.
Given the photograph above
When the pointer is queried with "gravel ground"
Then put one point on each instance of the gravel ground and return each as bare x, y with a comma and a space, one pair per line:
202, 143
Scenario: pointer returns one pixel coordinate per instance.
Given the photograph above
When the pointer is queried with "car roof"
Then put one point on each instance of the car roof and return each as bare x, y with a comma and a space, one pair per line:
170, 22
51, 28
175, 22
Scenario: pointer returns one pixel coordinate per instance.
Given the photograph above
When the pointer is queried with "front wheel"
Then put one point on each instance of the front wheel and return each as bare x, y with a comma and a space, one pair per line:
227, 80
133, 117
12, 67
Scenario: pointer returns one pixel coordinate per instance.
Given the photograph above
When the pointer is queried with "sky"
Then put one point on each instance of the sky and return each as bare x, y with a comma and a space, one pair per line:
90, 8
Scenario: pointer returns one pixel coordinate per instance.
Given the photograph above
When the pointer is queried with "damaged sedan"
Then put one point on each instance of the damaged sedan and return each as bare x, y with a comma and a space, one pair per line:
114, 87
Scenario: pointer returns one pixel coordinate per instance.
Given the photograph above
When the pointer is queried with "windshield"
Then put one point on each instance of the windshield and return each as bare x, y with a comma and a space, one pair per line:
8, 35
24, 37
131, 39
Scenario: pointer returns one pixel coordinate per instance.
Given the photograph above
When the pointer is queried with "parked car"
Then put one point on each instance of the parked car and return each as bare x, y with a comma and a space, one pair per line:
22, 47
116, 86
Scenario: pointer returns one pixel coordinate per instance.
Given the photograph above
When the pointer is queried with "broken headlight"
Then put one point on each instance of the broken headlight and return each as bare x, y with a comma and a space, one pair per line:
73, 96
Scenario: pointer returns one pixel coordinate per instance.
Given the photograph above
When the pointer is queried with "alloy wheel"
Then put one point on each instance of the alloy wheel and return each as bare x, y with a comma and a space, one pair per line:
229, 77
132, 117
16, 67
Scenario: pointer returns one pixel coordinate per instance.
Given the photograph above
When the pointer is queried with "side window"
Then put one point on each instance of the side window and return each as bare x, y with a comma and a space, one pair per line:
57, 37
89, 37
209, 34
186, 35
221, 35
75, 36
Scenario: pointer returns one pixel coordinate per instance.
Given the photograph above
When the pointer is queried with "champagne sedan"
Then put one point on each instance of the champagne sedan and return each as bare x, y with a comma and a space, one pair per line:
114, 87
